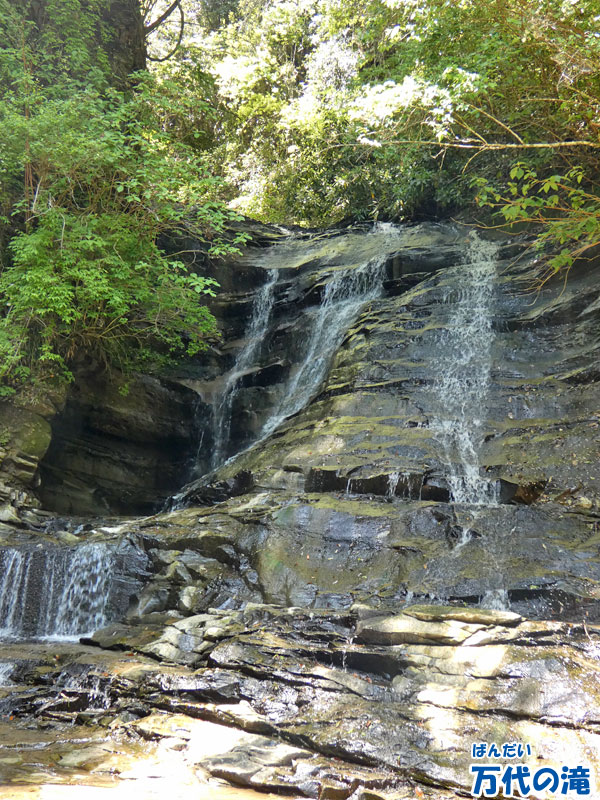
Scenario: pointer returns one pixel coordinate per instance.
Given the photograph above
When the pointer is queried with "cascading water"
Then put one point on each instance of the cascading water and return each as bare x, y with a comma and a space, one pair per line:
462, 387
247, 357
393, 479
343, 298
6, 670
464, 376
54, 593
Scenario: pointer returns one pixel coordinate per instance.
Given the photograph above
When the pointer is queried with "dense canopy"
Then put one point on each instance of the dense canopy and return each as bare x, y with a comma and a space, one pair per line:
124, 123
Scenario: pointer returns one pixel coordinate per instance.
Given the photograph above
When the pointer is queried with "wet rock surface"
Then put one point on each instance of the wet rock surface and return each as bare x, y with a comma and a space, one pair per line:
314, 703
322, 621
329, 551
373, 417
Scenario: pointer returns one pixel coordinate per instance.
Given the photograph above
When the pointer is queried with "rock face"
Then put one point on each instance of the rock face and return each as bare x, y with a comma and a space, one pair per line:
374, 415
107, 445
326, 704
119, 446
25, 436
346, 607
359, 481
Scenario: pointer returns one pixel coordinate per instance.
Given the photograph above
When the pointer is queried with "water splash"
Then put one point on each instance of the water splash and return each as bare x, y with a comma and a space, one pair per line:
248, 355
464, 376
94, 687
348, 643
54, 593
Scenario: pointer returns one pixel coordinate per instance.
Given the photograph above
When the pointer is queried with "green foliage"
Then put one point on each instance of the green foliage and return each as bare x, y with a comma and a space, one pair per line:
308, 111
569, 215
92, 180
97, 284
393, 107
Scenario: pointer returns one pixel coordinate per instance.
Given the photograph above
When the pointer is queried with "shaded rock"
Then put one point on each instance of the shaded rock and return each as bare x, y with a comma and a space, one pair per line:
117, 450
9, 514
25, 436
124, 637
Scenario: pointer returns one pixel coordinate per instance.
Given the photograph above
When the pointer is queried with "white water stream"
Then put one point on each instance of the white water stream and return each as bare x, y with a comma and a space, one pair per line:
344, 297
6, 670
54, 592
463, 377
246, 359
462, 389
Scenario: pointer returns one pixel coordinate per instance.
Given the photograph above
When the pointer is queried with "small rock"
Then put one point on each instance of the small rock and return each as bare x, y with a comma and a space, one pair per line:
67, 538
85, 758
9, 514
189, 598
404, 629
584, 502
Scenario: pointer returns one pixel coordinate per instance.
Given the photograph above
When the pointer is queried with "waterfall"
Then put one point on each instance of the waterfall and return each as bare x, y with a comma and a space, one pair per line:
392, 484
464, 374
343, 298
254, 335
58, 592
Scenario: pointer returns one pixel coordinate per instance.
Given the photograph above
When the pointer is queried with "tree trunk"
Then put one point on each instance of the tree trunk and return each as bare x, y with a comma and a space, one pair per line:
119, 32
126, 46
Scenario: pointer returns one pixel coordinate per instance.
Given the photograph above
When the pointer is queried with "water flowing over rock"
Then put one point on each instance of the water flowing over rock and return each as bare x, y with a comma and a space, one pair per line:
54, 592
65, 592
6, 669
344, 296
58, 592
255, 334
398, 559
461, 384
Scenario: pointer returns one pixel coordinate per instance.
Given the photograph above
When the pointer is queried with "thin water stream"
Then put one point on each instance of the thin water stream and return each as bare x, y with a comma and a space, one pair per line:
246, 359
463, 376
344, 297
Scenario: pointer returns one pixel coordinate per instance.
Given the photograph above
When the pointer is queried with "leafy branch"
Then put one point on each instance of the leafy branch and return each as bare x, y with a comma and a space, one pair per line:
569, 214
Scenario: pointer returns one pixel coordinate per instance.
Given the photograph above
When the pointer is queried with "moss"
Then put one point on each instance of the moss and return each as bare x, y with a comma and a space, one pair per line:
24, 431
4, 436
354, 508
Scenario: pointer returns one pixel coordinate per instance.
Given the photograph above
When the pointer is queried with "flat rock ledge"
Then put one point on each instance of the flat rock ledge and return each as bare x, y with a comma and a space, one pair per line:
314, 703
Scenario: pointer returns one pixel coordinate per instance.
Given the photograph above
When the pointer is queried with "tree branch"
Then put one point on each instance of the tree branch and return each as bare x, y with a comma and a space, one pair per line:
163, 17
179, 38
498, 122
473, 145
